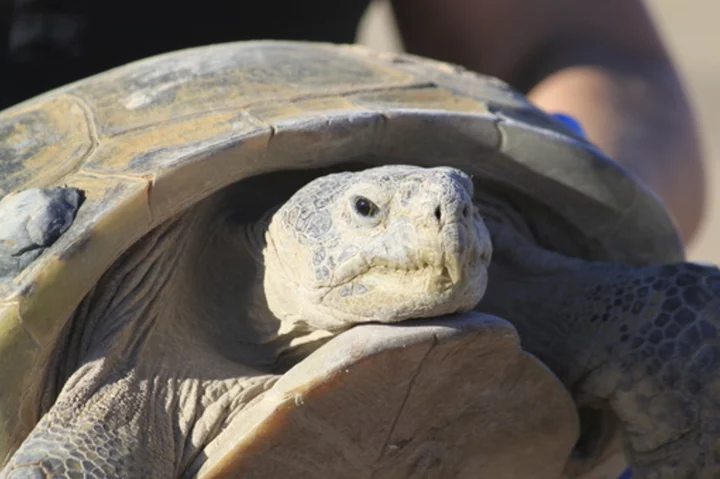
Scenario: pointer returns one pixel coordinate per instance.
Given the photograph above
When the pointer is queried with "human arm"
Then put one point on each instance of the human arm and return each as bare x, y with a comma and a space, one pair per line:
602, 62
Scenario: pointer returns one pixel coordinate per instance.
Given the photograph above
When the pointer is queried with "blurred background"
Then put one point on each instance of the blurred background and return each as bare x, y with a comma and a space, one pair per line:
693, 36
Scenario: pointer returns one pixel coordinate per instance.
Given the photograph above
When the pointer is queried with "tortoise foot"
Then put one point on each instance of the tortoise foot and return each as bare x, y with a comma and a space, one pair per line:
387, 401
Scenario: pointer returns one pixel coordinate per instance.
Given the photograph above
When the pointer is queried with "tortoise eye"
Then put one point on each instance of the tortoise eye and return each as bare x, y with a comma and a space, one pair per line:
365, 207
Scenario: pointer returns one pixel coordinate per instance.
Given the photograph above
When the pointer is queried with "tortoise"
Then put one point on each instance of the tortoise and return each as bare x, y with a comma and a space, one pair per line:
271, 259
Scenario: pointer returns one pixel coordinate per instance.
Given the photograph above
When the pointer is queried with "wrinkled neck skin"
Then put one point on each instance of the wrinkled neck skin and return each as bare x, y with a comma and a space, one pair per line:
169, 345
556, 309
276, 297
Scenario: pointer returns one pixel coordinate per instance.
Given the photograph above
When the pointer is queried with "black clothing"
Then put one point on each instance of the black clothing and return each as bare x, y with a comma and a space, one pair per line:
48, 43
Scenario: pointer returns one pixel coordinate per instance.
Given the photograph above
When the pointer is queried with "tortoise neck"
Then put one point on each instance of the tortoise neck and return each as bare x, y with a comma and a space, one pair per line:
101, 326
281, 291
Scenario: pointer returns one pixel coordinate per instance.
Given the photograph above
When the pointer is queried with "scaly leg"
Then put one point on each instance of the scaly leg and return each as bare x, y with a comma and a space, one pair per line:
644, 339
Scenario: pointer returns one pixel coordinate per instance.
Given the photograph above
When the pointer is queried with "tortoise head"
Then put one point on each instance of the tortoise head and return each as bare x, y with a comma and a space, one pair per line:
384, 244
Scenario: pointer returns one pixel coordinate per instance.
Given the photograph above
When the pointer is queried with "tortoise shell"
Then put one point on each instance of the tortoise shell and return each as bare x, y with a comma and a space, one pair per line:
143, 142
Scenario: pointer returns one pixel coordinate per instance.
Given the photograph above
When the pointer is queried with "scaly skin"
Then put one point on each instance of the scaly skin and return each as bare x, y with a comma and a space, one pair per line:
183, 330
646, 340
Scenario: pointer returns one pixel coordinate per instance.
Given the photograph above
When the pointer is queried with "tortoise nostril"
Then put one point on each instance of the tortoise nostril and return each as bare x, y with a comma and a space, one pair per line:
438, 213
465, 211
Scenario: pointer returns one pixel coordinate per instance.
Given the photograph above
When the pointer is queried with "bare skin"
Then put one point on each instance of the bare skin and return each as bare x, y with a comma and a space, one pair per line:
602, 62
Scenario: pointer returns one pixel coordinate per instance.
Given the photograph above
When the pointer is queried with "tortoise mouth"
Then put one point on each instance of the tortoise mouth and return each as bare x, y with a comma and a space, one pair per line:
438, 278
404, 293
444, 276
449, 257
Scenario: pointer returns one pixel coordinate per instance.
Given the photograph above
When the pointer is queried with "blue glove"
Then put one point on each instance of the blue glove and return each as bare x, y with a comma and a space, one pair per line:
573, 124
627, 474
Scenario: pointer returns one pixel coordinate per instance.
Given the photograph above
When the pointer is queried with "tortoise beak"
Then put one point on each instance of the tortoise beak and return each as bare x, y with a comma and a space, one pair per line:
454, 239
453, 270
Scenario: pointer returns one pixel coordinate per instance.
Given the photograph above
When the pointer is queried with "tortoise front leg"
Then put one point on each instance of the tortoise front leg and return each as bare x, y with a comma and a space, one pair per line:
645, 340
662, 376
93, 434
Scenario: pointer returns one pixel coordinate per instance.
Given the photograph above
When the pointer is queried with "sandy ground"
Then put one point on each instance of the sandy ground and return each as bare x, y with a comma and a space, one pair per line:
693, 36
